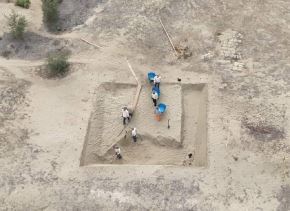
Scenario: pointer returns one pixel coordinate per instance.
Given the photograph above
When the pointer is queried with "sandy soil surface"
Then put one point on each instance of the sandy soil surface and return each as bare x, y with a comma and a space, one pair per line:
239, 50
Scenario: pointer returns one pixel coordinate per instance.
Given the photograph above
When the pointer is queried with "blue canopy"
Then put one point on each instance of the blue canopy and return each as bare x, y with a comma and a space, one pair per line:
151, 76
157, 90
161, 107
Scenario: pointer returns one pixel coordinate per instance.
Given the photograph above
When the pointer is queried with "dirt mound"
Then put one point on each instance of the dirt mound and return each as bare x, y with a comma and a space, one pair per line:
35, 46
12, 94
284, 198
12, 98
75, 12
266, 122
264, 132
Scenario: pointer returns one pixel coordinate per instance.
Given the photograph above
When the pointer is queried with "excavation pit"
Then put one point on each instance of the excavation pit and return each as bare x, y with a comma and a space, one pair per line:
157, 144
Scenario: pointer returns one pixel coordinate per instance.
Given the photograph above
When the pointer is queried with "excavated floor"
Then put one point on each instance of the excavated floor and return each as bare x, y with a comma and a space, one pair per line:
157, 144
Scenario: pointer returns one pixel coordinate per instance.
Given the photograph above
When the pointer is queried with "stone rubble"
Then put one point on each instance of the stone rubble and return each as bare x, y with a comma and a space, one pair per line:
229, 43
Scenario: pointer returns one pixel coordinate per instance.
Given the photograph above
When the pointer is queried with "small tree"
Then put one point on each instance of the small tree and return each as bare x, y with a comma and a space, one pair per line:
23, 3
50, 13
17, 24
57, 64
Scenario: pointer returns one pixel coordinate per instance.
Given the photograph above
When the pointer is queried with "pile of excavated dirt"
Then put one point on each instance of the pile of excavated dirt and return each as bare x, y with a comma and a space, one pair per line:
35, 46
73, 13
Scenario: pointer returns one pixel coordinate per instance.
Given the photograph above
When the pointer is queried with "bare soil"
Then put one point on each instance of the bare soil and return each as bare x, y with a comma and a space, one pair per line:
236, 120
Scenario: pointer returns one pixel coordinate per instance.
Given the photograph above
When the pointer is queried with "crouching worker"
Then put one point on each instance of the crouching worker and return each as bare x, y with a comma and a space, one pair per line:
125, 115
134, 134
118, 152
188, 159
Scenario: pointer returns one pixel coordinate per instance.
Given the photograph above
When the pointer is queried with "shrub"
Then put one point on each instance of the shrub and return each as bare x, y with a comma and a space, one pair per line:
50, 13
6, 54
17, 24
23, 3
57, 64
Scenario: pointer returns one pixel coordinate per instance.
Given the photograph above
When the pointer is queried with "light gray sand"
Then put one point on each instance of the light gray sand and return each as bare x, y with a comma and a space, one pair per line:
45, 121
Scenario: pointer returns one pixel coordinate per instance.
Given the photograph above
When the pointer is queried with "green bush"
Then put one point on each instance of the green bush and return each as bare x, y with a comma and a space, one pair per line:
23, 3
17, 24
50, 13
57, 64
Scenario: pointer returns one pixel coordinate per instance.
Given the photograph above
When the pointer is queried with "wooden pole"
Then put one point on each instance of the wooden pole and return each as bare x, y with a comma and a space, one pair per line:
168, 37
90, 43
138, 90
137, 95
132, 71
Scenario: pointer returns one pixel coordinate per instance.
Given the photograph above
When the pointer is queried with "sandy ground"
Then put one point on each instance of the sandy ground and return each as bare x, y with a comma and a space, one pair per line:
240, 50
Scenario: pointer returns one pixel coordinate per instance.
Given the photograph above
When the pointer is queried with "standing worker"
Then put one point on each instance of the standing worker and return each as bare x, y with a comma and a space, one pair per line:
134, 134
125, 115
154, 98
157, 80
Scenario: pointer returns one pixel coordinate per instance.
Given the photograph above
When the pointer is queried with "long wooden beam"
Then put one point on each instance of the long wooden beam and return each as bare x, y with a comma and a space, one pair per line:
90, 43
138, 90
176, 54
137, 95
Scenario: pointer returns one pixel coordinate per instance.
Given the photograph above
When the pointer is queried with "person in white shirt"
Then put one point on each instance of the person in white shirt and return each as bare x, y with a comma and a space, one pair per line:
125, 115
134, 134
154, 98
118, 152
157, 80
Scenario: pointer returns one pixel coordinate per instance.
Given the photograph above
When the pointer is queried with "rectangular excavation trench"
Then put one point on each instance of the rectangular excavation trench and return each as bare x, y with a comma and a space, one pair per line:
158, 145
195, 121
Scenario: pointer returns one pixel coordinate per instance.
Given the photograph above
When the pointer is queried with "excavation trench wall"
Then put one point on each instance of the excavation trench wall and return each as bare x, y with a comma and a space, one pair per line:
105, 122
194, 124
157, 144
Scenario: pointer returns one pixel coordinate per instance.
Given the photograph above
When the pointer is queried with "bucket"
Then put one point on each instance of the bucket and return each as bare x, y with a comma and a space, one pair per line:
158, 117
151, 76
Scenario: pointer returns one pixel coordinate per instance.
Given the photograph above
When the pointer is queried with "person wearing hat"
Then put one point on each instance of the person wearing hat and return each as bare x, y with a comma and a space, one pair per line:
154, 97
